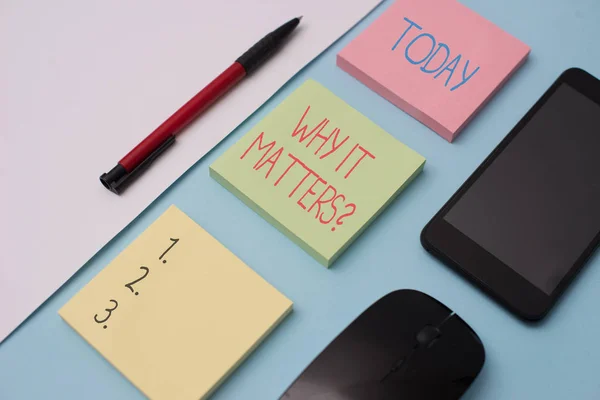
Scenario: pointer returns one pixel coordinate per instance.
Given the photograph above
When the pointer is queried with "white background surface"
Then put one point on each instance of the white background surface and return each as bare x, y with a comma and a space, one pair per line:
82, 82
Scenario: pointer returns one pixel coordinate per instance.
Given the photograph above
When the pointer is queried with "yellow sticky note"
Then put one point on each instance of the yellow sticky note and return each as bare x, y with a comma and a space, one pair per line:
176, 311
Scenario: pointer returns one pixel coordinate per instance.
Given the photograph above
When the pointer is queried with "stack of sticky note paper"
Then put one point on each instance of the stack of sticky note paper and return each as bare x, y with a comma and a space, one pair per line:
437, 60
176, 311
318, 170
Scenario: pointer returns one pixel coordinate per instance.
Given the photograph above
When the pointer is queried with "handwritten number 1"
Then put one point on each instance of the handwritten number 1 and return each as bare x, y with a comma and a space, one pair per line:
167, 250
109, 311
130, 284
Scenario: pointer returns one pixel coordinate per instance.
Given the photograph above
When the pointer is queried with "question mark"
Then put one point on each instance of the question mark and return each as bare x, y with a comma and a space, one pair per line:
339, 220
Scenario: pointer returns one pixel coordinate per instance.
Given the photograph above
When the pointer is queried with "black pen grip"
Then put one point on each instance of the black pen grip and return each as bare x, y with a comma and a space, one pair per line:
265, 47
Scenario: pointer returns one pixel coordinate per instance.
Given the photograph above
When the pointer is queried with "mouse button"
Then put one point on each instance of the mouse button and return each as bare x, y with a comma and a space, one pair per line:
390, 326
427, 304
459, 339
415, 299
415, 308
456, 323
364, 350
339, 366
379, 341
353, 355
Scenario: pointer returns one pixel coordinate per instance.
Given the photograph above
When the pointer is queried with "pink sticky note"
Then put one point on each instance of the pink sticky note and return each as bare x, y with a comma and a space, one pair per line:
435, 59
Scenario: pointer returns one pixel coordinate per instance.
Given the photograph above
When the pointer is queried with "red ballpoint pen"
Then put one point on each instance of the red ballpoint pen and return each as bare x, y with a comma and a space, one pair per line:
142, 155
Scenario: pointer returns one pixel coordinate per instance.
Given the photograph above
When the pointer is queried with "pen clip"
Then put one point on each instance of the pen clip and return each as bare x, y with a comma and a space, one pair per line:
119, 185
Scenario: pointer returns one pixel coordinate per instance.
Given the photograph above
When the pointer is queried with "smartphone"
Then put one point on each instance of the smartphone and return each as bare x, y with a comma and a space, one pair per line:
526, 221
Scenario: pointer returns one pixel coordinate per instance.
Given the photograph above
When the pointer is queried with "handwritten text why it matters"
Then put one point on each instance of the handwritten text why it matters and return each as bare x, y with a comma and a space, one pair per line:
320, 199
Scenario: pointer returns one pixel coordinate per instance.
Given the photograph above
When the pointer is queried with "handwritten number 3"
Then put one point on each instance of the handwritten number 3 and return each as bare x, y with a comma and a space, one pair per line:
109, 311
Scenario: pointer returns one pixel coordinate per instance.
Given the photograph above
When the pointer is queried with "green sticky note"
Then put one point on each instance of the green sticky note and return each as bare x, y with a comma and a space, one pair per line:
317, 170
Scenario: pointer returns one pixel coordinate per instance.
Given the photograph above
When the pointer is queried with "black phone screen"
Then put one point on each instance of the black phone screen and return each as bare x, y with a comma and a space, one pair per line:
536, 207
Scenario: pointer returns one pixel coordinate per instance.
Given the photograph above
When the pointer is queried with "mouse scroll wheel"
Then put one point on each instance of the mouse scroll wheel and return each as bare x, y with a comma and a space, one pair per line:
428, 335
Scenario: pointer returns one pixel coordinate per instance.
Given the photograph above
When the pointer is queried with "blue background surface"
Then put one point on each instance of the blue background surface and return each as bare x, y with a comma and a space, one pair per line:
555, 359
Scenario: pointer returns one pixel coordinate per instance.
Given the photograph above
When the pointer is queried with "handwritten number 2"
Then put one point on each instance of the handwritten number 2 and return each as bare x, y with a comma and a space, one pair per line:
130, 284
109, 311
167, 250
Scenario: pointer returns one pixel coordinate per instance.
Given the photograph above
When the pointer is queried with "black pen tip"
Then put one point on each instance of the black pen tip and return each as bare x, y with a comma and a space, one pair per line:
299, 18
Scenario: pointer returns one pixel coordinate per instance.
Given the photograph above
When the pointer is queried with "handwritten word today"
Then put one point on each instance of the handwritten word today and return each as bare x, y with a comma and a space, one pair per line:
321, 199
435, 61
